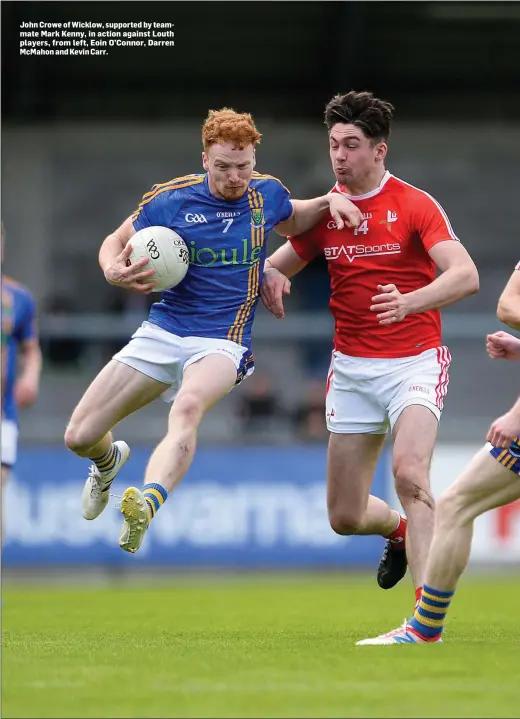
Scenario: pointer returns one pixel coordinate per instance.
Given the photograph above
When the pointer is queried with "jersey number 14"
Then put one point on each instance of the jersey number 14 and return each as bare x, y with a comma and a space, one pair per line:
363, 227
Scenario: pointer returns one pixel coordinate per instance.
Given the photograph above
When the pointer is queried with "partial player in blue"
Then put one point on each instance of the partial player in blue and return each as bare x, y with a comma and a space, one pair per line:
491, 479
21, 362
196, 345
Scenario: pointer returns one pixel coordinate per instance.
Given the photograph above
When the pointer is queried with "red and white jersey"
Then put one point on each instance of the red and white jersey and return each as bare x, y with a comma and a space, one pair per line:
401, 223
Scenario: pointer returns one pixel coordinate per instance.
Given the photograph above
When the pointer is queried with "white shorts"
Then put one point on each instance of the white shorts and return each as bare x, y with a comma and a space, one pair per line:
9, 442
164, 356
367, 396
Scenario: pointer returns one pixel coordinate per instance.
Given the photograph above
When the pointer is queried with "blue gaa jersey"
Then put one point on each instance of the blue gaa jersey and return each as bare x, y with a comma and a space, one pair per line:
18, 326
226, 244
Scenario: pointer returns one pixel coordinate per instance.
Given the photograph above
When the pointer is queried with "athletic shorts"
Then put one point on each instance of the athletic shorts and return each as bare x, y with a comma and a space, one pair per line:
510, 458
164, 356
367, 395
9, 442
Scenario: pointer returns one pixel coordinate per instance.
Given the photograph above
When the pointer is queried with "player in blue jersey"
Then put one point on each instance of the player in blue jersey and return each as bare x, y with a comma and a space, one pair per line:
20, 348
491, 479
196, 345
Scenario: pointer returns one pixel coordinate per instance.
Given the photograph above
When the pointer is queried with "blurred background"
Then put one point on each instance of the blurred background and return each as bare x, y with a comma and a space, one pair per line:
84, 137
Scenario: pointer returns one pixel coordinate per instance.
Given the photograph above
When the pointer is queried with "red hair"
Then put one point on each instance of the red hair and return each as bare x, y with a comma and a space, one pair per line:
226, 125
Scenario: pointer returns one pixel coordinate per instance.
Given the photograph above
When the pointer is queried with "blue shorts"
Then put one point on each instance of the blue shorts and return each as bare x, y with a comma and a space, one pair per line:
510, 458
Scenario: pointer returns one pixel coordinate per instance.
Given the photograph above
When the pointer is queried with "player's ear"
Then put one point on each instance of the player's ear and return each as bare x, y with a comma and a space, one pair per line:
254, 159
205, 163
381, 151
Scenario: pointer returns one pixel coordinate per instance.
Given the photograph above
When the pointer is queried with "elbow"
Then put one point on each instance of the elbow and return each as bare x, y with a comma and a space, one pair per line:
503, 312
471, 282
507, 315
287, 228
474, 283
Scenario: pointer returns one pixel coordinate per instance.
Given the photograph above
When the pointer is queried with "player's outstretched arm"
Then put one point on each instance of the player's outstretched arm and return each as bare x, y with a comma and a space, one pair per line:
113, 259
508, 310
282, 264
307, 213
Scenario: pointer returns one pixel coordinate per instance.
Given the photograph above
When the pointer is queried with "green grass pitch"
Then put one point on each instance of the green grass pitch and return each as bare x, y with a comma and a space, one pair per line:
255, 646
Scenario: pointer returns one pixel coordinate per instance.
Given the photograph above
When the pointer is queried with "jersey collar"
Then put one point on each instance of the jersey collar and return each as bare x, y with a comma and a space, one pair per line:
372, 193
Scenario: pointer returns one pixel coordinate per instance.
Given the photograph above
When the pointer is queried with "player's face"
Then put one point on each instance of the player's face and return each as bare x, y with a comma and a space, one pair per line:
229, 169
354, 156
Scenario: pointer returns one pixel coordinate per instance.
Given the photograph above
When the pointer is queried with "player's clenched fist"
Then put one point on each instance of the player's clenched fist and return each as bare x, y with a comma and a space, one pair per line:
274, 287
502, 345
390, 305
130, 276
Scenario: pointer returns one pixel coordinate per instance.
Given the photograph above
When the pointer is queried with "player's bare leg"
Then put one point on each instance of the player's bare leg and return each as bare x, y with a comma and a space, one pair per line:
117, 392
415, 433
204, 383
483, 485
352, 460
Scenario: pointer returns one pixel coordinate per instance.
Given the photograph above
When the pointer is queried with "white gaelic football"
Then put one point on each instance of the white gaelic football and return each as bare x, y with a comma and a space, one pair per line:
167, 254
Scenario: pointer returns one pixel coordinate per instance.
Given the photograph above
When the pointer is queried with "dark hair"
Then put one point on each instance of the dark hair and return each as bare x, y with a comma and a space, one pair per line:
372, 115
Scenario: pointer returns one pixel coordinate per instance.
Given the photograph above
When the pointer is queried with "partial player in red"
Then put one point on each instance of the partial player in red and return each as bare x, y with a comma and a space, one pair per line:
389, 368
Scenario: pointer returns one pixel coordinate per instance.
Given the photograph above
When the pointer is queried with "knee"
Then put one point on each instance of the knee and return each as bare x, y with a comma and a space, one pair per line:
189, 408
412, 483
344, 521
453, 507
79, 438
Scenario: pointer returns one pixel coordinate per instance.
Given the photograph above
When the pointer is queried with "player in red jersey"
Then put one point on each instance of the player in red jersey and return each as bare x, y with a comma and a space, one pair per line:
389, 368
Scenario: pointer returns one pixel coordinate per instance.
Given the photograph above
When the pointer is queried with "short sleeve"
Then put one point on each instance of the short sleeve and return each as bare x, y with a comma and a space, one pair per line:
158, 207
431, 221
26, 326
308, 244
282, 205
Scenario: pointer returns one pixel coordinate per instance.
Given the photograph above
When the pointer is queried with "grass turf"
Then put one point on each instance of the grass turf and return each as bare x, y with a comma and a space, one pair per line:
255, 646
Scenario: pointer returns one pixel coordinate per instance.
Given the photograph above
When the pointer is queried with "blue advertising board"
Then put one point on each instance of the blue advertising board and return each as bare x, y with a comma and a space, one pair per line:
237, 507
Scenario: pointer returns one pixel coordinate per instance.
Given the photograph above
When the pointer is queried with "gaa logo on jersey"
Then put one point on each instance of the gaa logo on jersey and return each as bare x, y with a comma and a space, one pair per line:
257, 217
192, 217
